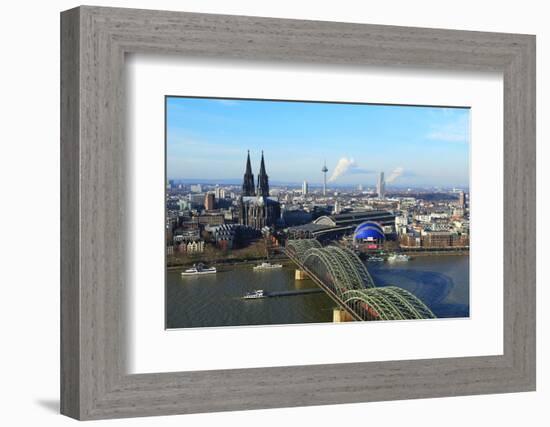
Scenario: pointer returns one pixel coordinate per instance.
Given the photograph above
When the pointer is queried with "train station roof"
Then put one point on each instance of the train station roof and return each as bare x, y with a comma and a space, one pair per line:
354, 218
345, 221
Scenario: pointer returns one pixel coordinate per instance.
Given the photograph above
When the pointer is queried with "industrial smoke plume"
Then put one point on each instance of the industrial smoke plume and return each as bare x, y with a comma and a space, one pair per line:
396, 173
347, 166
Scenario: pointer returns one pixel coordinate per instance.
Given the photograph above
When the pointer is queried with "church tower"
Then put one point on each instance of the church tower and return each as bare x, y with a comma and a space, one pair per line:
256, 208
248, 181
263, 181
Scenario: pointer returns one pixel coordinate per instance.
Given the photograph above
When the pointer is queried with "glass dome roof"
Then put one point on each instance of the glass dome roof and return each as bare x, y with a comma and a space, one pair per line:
369, 229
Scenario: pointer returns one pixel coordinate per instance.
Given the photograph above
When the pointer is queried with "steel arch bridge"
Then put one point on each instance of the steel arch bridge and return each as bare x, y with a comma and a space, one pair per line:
342, 275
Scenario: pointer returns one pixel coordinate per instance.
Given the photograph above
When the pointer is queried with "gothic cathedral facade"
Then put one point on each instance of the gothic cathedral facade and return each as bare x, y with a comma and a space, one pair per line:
257, 209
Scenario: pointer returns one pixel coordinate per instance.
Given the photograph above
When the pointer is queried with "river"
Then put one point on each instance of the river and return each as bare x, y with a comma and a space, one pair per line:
442, 282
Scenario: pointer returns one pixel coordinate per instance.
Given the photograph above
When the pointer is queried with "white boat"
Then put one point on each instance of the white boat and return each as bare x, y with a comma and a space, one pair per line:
398, 258
259, 293
266, 266
199, 269
375, 259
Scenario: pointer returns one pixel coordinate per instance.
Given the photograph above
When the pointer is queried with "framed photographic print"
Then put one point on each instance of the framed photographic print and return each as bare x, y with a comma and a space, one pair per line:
321, 246
261, 213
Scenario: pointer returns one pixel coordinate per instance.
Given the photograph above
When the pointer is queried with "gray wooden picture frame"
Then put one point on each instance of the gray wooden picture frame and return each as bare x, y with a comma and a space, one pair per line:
94, 41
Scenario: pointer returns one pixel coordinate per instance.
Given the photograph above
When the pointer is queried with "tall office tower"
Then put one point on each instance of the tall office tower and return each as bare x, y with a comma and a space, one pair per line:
209, 201
248, 181
461, 200
324, 170
263, 181
304, 188
381, 186
219, 193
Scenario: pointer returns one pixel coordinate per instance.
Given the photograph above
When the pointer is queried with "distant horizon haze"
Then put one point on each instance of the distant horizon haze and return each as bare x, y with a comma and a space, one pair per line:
238, 182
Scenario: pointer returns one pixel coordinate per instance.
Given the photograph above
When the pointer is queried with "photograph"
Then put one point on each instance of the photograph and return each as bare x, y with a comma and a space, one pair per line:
283, 212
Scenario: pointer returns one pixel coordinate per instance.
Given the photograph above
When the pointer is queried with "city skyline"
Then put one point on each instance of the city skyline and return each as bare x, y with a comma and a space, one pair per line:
205, 135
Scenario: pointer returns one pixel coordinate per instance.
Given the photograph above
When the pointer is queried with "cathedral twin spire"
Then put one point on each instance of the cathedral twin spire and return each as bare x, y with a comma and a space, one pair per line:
263, 182
248, 181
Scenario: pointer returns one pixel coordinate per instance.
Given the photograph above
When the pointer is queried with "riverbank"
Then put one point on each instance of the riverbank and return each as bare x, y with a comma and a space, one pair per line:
435, 253
279, 259
283, 259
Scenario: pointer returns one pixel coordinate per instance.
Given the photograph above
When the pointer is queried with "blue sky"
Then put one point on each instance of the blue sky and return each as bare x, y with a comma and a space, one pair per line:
209, 138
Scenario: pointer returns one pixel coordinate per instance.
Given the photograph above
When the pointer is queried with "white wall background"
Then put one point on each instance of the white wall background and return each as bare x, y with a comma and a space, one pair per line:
29, 224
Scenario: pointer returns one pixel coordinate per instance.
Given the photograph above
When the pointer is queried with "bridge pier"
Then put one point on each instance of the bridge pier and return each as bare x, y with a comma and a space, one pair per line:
300, 274
339, 315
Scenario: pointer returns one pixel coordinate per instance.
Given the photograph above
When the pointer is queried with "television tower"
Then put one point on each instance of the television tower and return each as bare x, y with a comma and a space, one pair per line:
324, 170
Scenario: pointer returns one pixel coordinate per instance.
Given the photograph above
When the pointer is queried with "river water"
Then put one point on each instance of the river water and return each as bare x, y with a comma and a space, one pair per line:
442, 282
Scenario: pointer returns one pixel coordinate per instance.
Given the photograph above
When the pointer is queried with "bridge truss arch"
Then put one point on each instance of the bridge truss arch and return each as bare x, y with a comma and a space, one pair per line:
298, 248
328, 268
387, 303
354, 266
339, 269
346, 278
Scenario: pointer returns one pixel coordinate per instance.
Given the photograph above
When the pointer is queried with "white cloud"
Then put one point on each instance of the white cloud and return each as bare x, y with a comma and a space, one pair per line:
228, 102
457, 131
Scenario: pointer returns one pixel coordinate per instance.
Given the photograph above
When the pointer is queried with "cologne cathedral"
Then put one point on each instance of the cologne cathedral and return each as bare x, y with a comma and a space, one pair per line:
256, 208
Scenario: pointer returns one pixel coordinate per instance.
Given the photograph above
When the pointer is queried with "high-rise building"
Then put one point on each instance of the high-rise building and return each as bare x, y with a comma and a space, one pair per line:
196, 200
461, 200
381, 186
183, 204
324, 170
196, 188
304, 188
219, 193
209, 202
